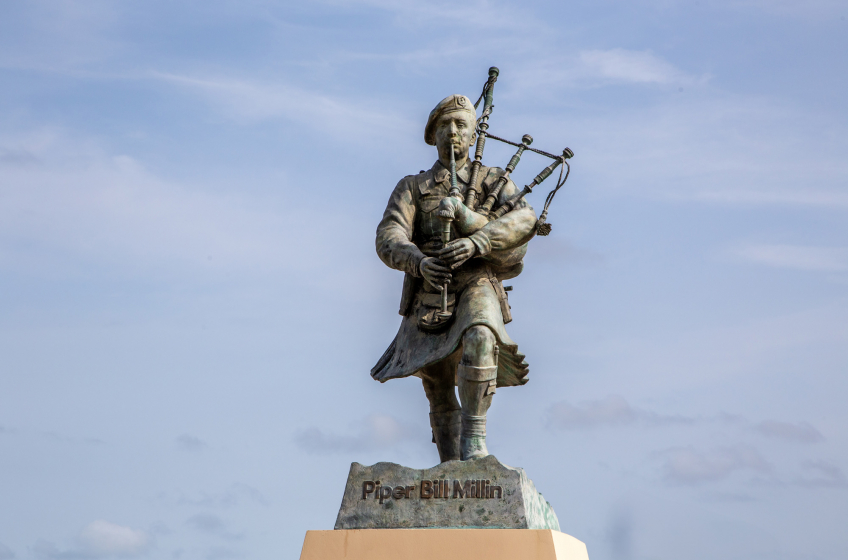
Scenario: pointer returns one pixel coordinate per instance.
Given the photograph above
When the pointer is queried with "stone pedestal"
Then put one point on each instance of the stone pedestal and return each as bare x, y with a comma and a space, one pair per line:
442, 544
459, 510
480, 493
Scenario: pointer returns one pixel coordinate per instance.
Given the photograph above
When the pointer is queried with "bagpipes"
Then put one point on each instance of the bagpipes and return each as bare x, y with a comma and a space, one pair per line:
475, 189
469, 216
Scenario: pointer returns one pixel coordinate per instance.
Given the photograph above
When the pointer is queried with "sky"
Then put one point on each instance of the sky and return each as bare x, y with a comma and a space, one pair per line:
190, 300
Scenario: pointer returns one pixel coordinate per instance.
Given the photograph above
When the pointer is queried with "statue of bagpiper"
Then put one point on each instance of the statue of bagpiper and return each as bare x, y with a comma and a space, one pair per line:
457, 231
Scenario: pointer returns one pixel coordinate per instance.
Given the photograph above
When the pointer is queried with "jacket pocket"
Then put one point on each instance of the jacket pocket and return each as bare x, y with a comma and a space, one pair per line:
428, 202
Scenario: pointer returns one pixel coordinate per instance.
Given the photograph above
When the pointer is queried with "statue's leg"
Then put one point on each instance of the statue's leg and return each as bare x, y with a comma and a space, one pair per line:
439, 383
477, 378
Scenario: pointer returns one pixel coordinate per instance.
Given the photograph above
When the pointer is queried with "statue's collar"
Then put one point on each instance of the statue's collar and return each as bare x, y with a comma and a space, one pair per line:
442, 174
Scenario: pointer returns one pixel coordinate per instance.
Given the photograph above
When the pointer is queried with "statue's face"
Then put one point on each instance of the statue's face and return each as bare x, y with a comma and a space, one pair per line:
454, 130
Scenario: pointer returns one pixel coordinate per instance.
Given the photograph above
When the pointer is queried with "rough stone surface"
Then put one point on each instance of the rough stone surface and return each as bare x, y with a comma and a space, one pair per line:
518, 506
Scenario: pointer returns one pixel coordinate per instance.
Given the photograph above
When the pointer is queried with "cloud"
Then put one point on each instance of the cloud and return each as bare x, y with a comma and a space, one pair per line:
17, 157
801, 432
232, 497
799, 257
98, 539
691, 467
222, 553
248, 101
615, 411
61, 438
822, 475
809, 196
703, 146
6, 552
101, 538
626, 66
61, 34
811, 9
213, 525
375, 432
485, 14
48, 550
190, 443
555, 74
53, 437
89, 206
611, 411
729, 497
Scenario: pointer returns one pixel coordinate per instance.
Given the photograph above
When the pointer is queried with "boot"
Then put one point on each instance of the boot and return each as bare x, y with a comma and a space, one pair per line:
476, 387
446, 427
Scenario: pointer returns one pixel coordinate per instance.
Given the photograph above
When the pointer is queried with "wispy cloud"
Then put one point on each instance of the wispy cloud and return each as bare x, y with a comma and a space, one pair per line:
557, 74
250, 101
57, 437
821, 474
17, 156
99, 539
627, 66
108, 539
800, 257
235, 495
53, 437
729, 497
685, 465
615, 411
745, 196
610, 411
484, 14
84, 202
812, 9
801, 432
188, 442
212, 524
374, 432
6, 553
63, 33
222, 553
701, 145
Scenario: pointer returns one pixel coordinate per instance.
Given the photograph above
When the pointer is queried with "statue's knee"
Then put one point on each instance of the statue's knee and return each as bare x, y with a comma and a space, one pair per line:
479, 341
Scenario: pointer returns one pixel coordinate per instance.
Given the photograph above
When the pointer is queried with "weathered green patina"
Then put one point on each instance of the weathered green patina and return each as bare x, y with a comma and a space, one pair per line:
481, 493
472, 349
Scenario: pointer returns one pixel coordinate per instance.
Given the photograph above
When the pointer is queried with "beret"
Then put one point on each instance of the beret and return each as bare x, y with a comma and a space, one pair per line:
449, 104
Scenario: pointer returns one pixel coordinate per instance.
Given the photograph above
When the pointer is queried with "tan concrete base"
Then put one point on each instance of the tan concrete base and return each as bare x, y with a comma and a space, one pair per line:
442, 544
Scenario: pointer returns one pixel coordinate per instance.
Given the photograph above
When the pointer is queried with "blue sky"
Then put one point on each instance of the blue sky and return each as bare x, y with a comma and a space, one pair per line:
191, 302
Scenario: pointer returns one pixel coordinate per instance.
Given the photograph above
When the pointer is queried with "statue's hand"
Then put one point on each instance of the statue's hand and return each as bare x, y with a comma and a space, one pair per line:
457, 252
435, 271
449, 207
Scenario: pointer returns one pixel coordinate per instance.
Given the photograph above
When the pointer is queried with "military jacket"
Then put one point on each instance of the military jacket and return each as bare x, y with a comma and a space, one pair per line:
410, 228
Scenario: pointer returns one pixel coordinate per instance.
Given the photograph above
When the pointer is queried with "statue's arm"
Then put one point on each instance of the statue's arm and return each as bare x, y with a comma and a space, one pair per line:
506, 238
394, 234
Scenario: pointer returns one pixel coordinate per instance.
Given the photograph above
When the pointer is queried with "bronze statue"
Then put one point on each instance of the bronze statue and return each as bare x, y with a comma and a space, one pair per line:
456, 257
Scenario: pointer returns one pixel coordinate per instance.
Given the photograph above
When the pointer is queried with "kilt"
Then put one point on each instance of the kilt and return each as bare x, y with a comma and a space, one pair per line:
477, 303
